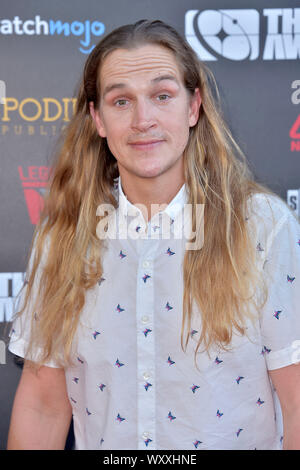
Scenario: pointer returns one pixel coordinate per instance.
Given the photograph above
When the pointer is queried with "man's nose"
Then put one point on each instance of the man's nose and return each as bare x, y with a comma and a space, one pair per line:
143, 115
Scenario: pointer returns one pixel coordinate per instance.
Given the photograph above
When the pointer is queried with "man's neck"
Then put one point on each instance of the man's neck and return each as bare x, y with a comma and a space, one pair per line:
154, 194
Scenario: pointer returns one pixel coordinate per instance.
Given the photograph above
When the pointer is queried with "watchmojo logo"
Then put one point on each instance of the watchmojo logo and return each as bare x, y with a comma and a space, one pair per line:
237, 35
37, 27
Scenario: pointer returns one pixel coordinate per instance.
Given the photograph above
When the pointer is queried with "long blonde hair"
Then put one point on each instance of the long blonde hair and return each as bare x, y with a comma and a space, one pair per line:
82, 177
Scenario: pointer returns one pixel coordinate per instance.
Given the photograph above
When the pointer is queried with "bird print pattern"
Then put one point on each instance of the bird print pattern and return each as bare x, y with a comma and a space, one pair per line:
179, 405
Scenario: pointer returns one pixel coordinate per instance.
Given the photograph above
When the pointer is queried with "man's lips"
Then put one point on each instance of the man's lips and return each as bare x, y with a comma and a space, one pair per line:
146, 144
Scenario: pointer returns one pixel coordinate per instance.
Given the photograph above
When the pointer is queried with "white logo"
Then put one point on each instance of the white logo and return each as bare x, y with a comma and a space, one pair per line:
10, 286
293, 200
296, 94
237, 34
2, 352
2, 92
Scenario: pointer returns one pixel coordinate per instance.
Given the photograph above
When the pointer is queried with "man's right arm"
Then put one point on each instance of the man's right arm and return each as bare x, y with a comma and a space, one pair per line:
41, 413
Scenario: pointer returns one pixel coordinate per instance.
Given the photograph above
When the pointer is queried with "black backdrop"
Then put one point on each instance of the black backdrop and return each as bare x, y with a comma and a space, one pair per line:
252, 48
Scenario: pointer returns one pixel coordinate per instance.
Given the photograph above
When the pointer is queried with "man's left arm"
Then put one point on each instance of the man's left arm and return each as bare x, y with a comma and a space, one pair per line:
279, 236
286, 381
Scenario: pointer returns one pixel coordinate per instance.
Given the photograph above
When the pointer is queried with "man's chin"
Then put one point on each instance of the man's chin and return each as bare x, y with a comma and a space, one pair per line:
145, 172
148, 174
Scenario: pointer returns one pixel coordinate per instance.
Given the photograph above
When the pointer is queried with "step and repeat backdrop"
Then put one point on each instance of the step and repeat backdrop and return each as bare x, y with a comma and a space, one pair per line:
252, 48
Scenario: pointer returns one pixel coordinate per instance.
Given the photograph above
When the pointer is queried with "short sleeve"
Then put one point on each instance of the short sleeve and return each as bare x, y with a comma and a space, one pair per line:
279, 248
20, 330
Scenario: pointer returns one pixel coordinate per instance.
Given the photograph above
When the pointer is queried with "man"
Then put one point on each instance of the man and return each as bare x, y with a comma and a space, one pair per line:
148, 342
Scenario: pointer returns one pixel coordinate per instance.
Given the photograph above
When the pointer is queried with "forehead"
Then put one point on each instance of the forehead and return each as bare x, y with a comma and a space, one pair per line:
147, 61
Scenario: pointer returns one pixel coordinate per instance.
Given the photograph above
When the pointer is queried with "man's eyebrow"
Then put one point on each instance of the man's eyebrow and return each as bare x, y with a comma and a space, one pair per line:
109, 88
114, 86
164, 77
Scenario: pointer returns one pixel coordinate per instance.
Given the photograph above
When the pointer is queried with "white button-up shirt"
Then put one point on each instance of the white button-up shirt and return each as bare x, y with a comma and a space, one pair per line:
132, 386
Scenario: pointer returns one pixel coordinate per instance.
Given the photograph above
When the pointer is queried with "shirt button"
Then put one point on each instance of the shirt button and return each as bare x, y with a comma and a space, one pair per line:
146, 375
146, 264
145, 319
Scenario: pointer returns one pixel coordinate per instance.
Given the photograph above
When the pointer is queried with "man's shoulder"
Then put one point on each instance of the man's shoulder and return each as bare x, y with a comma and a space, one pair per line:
269, 217
267, 207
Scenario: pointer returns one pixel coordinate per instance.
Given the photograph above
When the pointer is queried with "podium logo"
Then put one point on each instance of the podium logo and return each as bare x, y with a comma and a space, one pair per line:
32, 109
236, 34
34, 185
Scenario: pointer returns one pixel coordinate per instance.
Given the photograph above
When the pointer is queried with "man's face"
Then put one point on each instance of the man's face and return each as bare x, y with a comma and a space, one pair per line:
145, 110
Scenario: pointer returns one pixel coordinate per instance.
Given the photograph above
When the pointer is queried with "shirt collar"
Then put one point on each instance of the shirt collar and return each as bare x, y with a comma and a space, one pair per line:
172, 210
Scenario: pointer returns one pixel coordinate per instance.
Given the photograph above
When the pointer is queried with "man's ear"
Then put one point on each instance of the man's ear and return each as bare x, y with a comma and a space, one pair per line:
195, 105
97, 120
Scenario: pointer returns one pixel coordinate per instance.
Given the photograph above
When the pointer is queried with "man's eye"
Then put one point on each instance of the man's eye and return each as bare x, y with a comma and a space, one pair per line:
121, 102
163, 97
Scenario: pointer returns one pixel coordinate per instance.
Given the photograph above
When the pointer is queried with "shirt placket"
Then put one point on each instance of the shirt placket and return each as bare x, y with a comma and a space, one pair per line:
146, 380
